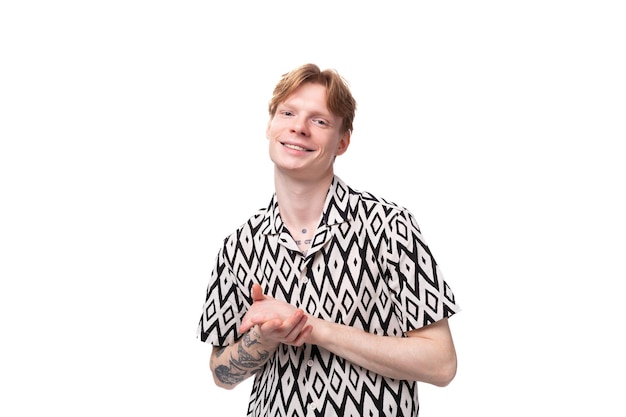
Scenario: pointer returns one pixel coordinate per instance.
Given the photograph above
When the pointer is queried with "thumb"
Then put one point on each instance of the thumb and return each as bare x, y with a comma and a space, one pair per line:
257, 292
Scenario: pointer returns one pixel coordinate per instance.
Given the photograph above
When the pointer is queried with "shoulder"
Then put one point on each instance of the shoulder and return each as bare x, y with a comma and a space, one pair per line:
345, 192
253, 225
387, 211
371, 200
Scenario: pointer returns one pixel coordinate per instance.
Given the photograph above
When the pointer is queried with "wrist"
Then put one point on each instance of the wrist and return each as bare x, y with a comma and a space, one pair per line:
320, 330
256, 338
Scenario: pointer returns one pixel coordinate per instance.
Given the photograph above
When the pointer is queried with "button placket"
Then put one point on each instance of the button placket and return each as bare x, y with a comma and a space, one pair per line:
305, 264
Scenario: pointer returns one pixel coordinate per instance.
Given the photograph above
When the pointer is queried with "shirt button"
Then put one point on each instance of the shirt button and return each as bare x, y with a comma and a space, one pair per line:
305, 280
310, 362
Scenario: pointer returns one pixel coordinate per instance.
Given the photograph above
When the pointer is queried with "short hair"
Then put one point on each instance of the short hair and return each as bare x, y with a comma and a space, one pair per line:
339, 99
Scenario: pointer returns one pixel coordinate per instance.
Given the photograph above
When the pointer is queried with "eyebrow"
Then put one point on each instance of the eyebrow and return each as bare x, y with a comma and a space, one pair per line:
325, 114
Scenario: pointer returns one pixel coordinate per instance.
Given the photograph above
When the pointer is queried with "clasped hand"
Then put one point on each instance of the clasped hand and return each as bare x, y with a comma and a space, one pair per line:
277, 321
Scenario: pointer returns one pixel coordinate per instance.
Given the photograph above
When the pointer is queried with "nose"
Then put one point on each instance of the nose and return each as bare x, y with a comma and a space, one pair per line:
299, 126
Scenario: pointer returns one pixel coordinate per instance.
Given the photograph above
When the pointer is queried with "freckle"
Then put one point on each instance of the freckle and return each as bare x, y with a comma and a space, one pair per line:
303, 230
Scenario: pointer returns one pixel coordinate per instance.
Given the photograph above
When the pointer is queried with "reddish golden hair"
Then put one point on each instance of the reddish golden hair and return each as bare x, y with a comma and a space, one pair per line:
338, 96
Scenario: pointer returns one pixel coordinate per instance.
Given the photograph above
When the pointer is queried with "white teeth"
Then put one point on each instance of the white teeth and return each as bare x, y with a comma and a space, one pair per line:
298, 148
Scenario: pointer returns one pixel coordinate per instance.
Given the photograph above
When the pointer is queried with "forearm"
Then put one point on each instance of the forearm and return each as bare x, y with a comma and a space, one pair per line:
233, 364
429, 357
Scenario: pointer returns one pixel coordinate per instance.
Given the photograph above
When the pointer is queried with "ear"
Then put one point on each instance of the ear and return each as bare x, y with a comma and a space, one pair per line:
344, 142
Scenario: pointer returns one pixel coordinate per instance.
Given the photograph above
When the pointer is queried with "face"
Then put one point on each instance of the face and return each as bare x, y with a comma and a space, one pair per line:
304, 136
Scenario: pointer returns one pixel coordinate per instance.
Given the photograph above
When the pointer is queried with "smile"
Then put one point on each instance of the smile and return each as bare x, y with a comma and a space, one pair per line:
296, 147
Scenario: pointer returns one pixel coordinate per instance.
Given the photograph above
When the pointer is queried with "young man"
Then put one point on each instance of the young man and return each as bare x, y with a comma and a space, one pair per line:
329, 296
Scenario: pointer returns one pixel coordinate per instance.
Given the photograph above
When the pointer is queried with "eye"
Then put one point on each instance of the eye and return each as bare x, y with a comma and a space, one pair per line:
320, 122
286, 113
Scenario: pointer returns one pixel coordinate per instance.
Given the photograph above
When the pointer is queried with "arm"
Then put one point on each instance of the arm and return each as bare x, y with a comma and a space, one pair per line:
233, 364
426, 355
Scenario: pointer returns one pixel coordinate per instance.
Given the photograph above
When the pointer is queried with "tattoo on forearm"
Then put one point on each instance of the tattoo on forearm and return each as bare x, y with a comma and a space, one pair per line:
247, 360
227, 375
245, 364
249, 341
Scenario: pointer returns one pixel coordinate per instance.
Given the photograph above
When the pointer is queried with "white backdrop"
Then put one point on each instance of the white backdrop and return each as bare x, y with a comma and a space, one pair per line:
133, 141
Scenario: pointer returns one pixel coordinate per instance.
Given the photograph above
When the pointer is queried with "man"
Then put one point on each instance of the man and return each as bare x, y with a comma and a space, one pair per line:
329, 296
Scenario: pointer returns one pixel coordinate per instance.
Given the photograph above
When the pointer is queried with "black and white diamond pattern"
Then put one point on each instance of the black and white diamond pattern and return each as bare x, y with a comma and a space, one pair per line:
368, 267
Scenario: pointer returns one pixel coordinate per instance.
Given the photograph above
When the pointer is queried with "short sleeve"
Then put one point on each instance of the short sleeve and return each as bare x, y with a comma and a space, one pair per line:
421, 295
223, 309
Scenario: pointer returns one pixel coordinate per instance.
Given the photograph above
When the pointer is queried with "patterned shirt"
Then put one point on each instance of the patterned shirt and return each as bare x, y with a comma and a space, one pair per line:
368, 267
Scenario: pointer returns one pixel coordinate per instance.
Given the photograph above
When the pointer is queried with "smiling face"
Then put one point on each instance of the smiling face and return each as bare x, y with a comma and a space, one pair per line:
304, 136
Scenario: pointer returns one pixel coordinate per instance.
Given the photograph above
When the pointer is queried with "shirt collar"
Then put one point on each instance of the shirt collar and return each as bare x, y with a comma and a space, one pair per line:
340, 203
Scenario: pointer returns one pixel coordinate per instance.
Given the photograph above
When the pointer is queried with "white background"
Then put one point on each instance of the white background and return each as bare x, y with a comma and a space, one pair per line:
133, 141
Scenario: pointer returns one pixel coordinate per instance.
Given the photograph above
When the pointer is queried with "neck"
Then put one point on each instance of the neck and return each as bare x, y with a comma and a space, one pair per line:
301, 202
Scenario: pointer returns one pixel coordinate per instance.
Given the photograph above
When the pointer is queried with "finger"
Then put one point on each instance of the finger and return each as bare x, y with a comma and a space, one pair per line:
303, 336
270, 327
249, 321
294, 329
257, 292
294, 319
245, 326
